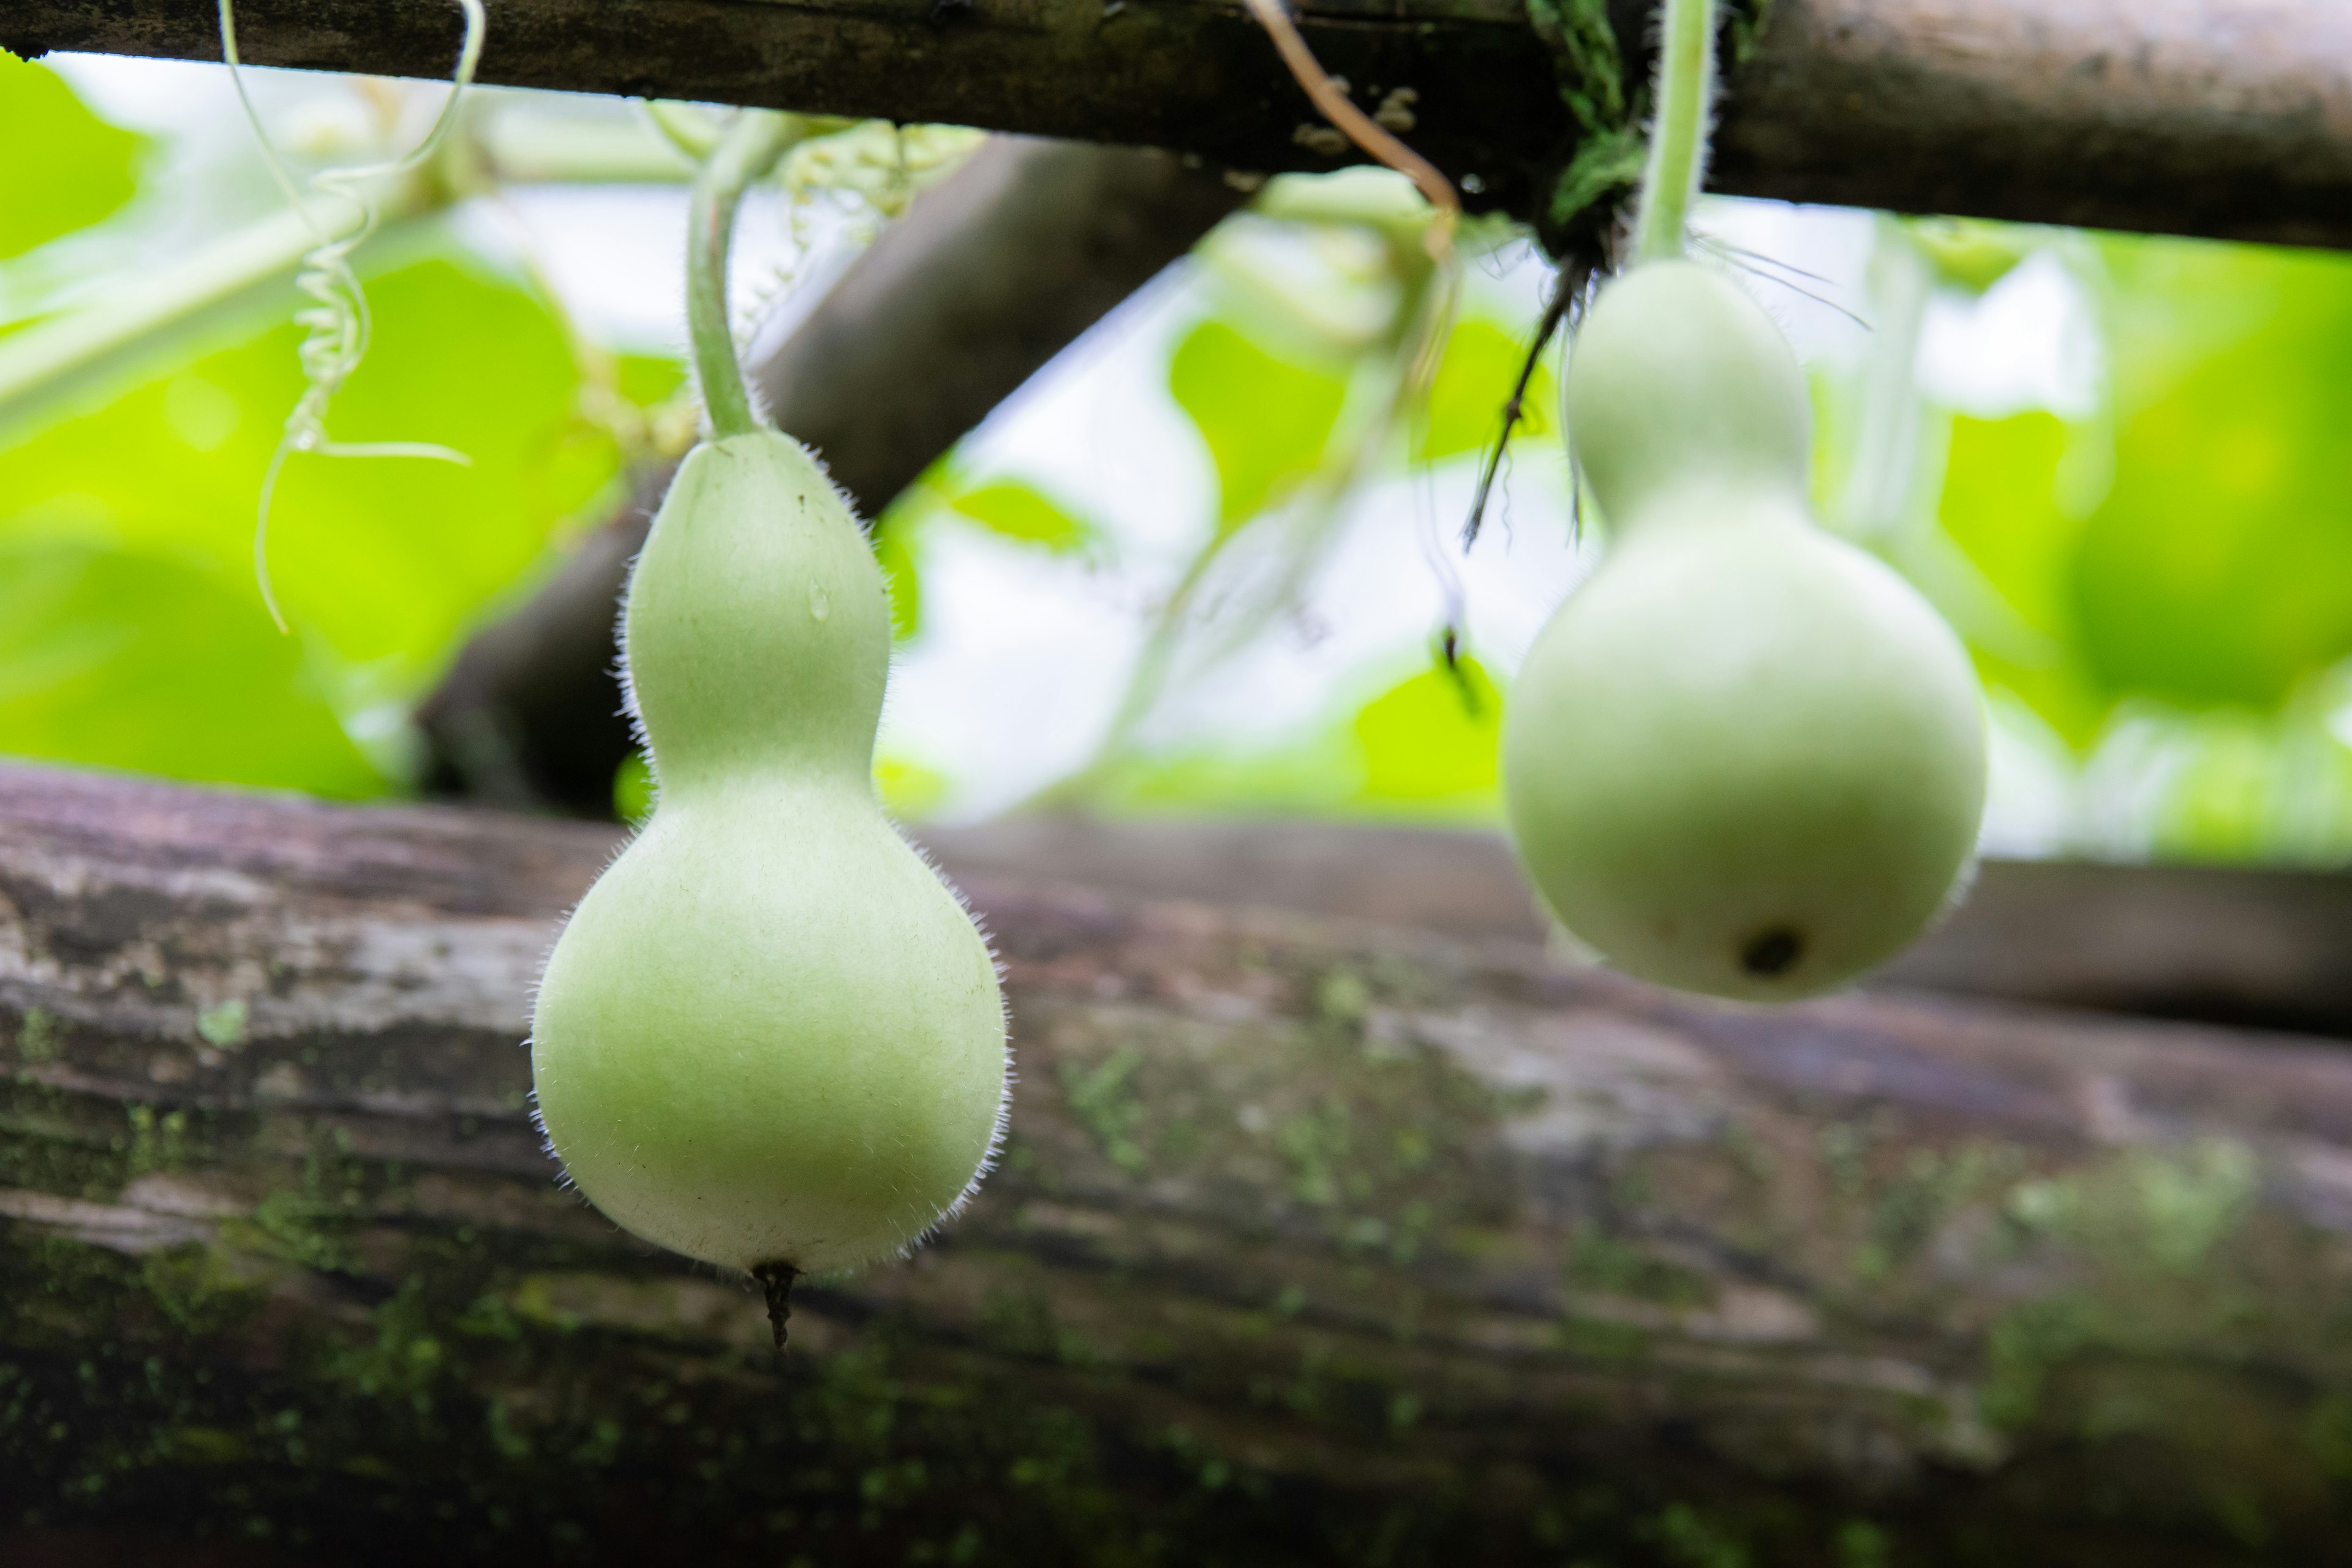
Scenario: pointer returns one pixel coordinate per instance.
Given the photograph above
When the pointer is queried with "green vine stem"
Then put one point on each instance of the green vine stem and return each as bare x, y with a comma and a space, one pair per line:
748, 151
1686, 103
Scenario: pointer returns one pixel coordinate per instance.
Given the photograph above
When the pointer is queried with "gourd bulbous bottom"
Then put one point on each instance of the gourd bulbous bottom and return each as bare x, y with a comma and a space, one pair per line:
1745, 758
771, 1035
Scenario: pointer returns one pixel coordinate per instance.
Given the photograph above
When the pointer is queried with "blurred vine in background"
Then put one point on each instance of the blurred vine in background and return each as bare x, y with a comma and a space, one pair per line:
1293, 367
1304, 382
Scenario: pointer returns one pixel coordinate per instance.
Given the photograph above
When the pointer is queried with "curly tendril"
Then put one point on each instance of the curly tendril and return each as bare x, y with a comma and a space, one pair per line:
336, 324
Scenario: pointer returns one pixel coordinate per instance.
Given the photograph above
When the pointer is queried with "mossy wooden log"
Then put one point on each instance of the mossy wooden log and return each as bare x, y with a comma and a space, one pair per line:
1315, 1242
2251, 946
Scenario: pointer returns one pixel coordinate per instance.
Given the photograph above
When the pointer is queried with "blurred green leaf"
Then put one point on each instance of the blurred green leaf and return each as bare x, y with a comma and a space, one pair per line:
2222, 804
381, 565
1266, 419
1432, 737
2219, 569
1425, 747
65, 169
1969, 253
1999, 504
139, 661
909, 790
894, 551
1012, 509
1316, 777
633, 789
385, 560
2001, 507
1473, 383
647, 380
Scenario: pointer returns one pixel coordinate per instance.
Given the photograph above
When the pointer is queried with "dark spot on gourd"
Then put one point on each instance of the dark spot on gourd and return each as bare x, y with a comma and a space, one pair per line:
1771, 953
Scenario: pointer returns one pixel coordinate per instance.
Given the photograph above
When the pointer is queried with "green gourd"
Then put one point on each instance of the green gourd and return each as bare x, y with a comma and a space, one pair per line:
1744, 758
770, 1037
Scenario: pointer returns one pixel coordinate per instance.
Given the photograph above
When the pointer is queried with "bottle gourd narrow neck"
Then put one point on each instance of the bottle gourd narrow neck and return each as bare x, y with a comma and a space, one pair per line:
758, 626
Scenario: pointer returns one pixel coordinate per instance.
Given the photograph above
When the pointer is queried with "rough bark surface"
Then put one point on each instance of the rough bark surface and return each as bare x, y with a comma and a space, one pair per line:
1316, 1242
989, 276
2236, 945
2231, 118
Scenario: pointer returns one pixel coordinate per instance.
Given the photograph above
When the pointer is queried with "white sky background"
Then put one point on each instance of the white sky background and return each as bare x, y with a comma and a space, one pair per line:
1023, 657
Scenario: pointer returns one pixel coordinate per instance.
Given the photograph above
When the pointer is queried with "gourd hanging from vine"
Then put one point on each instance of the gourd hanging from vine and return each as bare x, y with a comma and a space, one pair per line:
1745, 757
770, 1037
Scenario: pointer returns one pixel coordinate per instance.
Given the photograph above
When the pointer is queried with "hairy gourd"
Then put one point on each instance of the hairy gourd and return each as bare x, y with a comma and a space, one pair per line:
769, 1034
1745, 757
770, 1037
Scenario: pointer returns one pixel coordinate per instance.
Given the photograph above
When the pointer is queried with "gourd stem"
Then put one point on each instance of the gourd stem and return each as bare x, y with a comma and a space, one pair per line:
1678, 129
776, 1282
749, 150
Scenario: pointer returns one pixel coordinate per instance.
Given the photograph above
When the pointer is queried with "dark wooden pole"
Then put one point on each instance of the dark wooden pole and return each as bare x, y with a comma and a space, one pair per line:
1316, 1242
2213, 117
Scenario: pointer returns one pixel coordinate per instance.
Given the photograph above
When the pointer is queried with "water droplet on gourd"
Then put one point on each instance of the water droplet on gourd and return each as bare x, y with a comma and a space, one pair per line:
820, 605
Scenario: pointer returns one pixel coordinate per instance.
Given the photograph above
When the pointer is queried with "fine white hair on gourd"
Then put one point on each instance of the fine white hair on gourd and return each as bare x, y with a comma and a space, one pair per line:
771, 1036
669, 978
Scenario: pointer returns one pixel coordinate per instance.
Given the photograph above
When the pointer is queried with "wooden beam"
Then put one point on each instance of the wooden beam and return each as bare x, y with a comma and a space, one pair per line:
1315, 1241
2230, 118
2224, 118
2248, 945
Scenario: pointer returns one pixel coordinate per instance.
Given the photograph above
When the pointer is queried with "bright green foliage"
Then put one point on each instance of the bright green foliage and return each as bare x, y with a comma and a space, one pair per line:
1744, 758
383, 565
63, 167
2219, 570
909, 790
633, 790
770, 1034
1266, 419
2170, 589
1020, 512
1421, 749
896, 540
1011, 509
2269, 786
1433, 738
1482, 362
2000, 506
1968, 254
144, 661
